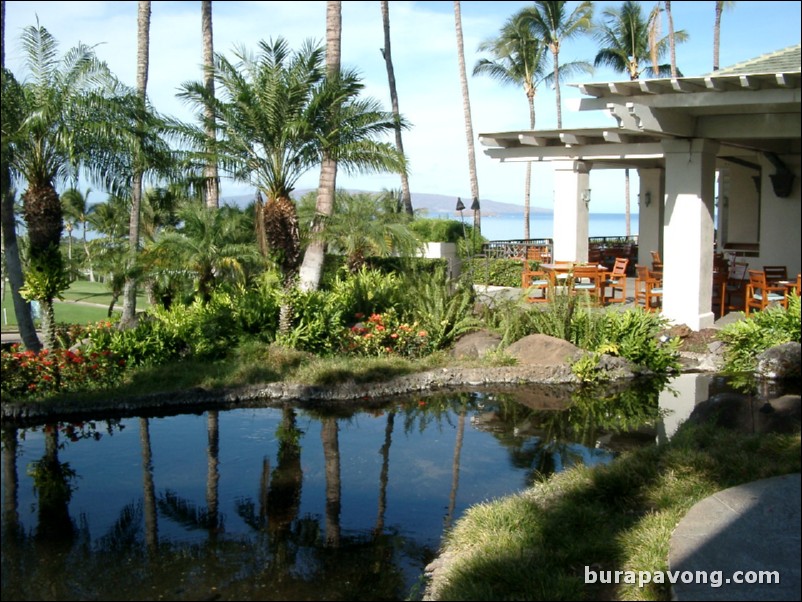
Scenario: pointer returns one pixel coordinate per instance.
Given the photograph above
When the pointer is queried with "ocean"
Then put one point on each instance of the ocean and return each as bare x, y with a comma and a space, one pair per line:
511, 226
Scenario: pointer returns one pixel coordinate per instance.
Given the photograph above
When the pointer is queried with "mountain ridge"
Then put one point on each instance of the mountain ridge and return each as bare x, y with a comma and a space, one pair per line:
423, 202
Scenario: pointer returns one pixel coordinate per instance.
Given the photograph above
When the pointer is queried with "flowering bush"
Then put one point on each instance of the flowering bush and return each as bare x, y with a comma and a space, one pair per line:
26, 373
385, 334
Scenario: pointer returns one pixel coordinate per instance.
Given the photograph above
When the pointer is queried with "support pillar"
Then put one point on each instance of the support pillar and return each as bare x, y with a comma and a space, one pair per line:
571, 188
650, 212
688, 231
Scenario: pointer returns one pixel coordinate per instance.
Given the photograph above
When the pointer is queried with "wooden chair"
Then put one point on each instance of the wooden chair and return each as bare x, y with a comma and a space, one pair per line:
737, 280
536, 283
775, 274
617, 281
648, 288
718, 301
759, 294
587, 279
657, 262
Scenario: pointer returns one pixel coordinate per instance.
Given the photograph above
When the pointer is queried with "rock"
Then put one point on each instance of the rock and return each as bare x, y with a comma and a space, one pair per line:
475, 344
780, 362
543, 350
746, 415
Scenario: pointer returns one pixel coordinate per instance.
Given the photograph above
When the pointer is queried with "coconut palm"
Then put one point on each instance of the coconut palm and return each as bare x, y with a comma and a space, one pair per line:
553, 24
519, 58
74, 204
672, 50
624, 40
406, 196
312, 265
629, 45
142, 65
212, 181
77, 116
721, 5
274, 120
466, 109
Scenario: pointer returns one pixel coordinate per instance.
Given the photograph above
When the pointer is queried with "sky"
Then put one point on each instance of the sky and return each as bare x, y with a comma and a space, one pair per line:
424, 52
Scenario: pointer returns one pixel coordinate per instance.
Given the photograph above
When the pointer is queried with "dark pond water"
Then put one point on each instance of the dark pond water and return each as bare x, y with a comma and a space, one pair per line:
286, 503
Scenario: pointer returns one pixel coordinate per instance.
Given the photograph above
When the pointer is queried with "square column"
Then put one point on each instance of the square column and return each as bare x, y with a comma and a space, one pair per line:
650, 211
571, 187
688, 232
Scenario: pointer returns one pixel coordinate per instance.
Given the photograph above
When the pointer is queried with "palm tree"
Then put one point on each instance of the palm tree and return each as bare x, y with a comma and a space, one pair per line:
142, 65
212, 181
466, 108
721, 5
406, 196
519, 58
312, 265
12, 116
76, 118
671, 39
628, 44
329, 436
275, 118
362, 227
212, 245
76, 211
554, 25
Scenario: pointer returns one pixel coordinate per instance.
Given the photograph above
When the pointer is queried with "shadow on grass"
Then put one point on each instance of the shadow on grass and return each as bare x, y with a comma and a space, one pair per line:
537, 545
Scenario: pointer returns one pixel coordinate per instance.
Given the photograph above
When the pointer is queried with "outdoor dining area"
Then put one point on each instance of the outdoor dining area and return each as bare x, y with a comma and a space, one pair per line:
735, 287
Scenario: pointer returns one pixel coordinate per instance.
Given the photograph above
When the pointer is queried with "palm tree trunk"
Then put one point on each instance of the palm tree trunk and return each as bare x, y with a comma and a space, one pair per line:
312, 266
13, 268
555, 51
528, 186
331, 452
212, 179
383, 475
12, 528
212, 472
452, 498
143, 59
406, 196
148, 489
466, 107
671, 40
717, 33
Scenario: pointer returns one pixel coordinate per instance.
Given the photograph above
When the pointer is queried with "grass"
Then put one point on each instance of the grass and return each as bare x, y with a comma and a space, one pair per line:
84, 303
526, 547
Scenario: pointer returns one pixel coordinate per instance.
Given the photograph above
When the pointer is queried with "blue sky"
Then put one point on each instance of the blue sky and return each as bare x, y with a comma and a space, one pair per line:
425, 59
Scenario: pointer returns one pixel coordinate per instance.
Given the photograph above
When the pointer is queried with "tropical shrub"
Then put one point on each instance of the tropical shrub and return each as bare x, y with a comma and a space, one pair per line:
495, 272
749, 337
52, 371
385, 334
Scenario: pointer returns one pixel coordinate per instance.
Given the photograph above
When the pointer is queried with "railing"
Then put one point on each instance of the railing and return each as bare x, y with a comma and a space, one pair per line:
513, 249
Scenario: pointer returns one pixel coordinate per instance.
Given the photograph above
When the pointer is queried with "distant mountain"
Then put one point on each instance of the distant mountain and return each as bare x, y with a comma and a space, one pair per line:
428, 203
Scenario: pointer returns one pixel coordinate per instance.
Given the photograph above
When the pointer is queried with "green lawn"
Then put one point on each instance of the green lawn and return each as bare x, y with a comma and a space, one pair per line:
73, 309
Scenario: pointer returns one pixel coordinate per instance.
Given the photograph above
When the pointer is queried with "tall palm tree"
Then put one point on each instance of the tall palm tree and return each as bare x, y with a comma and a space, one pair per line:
466, 109
312, 265
76, 117
406, 196
212, 181
142, 65
554, 25
671, 39
76, 211
519, 58
628, 44
721, 5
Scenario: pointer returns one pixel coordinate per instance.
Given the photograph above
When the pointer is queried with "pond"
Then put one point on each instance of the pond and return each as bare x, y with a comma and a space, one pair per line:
291, 502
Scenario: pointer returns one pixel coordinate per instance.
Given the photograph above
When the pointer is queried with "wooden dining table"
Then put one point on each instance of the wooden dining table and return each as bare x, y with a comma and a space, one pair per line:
561, 271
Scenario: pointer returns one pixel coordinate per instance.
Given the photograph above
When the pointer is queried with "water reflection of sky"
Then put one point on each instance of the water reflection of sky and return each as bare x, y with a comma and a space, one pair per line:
406, 471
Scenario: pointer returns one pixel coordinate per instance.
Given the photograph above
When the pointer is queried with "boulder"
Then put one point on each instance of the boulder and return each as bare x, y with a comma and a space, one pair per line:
543, 350
475, 344
781, 362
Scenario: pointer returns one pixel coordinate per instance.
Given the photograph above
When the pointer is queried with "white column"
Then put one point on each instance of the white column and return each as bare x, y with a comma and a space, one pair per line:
688, 232
650, 225
571, 184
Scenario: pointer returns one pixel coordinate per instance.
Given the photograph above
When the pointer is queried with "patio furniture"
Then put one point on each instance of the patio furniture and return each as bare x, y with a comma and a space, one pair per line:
587, 279
737, 280
718, 300
536, 283
759, 294
617, 281
775, 274
648, 288
657, 262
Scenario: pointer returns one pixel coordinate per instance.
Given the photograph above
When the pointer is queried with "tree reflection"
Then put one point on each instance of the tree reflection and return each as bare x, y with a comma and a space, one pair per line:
52, 481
